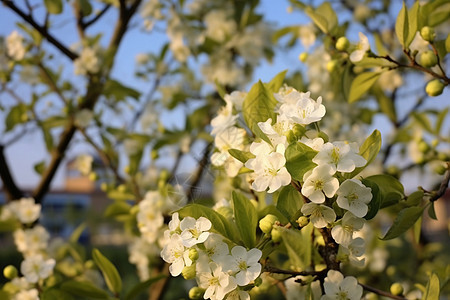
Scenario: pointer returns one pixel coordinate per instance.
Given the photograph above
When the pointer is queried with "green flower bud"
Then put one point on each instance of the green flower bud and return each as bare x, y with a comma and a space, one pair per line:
396, 289
434, 88
440, 169
303, 56
196, 293
423, 147
258, 281
276, 235
434, 143
342, 43
122, 188
24, 117
93, 176
428, 59
298, 130
302, 221
428, 33
332, 65
291, 138
393, 170
193, 254
443, 156
266, 223
189, 272
10, 272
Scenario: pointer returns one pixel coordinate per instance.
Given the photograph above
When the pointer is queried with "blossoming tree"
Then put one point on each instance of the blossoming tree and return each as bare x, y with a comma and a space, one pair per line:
306, 202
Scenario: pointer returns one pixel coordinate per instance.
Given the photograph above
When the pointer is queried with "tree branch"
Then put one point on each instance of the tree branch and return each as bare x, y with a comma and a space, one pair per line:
41, 29
199, 173
9, 185
97, 17
380, 292
443, 187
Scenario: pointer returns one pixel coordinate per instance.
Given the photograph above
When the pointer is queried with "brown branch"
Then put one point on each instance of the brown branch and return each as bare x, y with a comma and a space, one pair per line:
199, 173
443, 187
48, 78
97, 17
9, 185
380, 292
270, 269
41, 29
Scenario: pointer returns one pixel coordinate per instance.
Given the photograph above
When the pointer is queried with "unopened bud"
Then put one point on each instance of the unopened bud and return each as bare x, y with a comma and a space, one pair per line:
93, 176
276, 235
303, 56
266, 223
258, 281
302, 221
196, 293
434, 88
428, 59
193, 254
428, 33
423, 147
332, 65
440, 169
10, 272
342, 43
89, 264
396, 289
188, 272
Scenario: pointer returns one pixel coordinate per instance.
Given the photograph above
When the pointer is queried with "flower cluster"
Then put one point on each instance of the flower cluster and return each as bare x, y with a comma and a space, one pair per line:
194, 251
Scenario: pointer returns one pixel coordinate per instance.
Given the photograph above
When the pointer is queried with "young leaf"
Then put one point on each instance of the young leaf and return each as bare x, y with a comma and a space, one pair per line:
402, 26
246, 219
432, 290
219, 223
109, 271
361, 84
242, 156
275, 84
417, 228
374, 204
423, 120
369, 150
391, 189
258, 105
327, 12
289, 202
54, 6
413, 23
299, 160
440, 120
405, 220
432, 212
386, 104
318, 19
298, 245
84, 289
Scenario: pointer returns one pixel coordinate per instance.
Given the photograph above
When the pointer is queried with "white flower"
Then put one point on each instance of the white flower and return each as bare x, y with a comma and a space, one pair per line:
299, 107
215, 248
230, 138
149, 217
31, 241
276, 133
176, 254
297, 291
219, 25
315, 144
36, 267
343, 233
87, 62
354, 251
25, 210
174, 224
321, 215
319, 181
361, 48
32, 294
224, 118
14, 46
341, 156
194, 231
216, 282
354, 197
339, 288
244, 264
270, 171
307, 35
236, 98
83, 163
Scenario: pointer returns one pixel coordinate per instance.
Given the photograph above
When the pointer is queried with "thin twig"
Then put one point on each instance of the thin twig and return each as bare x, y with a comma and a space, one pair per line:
9, 185
97, 17
443, 186
380, 292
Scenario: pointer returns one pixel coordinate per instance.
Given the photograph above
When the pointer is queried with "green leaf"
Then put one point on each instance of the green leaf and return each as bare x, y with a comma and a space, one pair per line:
275, 84
52, 294
414, 199
405, 219
423, 120
386, 104
242, 156
432, 290
220, 89
54, 121
75, 236
417, 228
432, 212
259, 105
413, 23
289, 202
299, 160
369, 150
120, 196
371, 62
117, 91
84, 289
361, 84
374, 204
402, 26
16, 115
327, 12
319, 19
110, 273
246, 219
117, 208
40, 167
447, 44
85, 7
54, 6
381, 49
440, 120
298, 245
142, 287
391, 189
8, 225
219, 223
